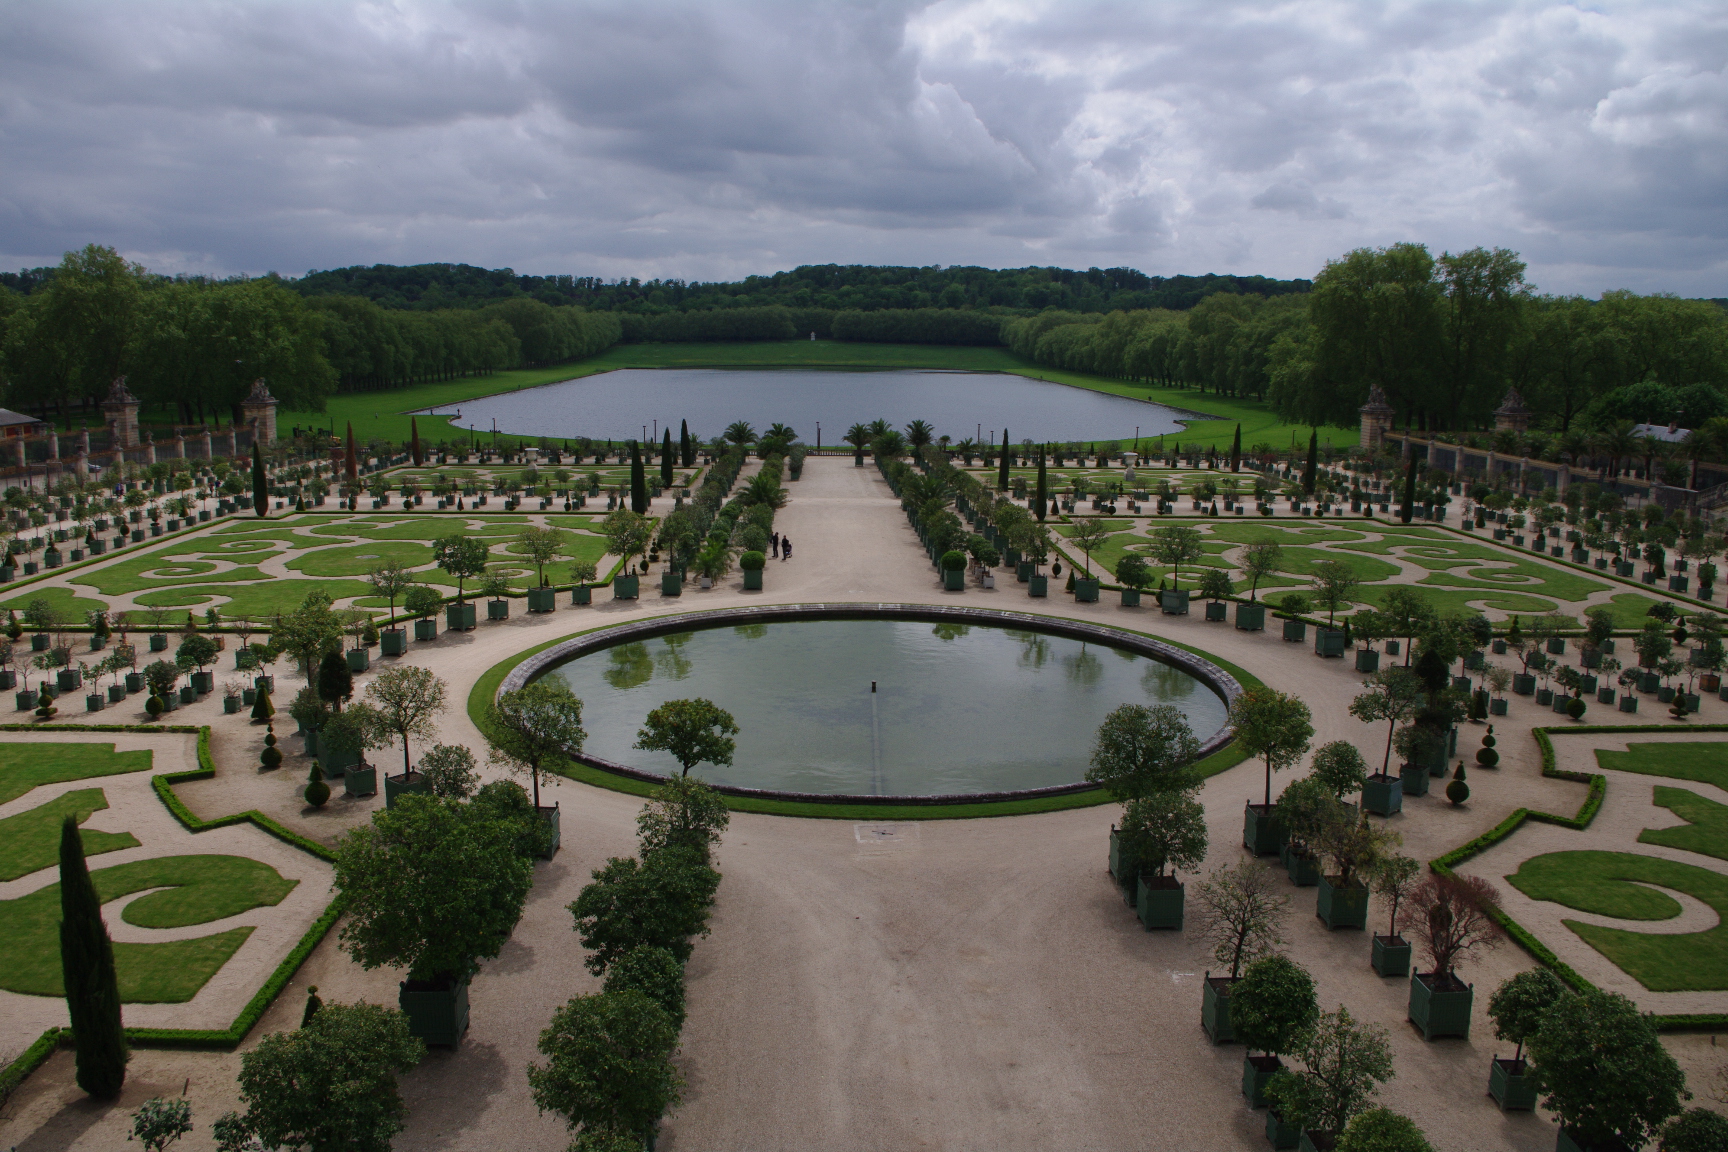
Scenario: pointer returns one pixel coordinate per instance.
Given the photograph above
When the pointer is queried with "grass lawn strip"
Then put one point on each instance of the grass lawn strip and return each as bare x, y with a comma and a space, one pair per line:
24, 766
30, 841
1705, 831
1705, 761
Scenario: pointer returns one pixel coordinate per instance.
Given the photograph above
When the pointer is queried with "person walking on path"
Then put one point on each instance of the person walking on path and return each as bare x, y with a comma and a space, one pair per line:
785, 548
774, 543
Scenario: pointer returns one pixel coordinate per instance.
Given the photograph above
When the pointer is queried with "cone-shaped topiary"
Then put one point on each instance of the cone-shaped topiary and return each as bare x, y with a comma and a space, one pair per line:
262, 708
1486, 756
1456, 790
317, 792
87, 967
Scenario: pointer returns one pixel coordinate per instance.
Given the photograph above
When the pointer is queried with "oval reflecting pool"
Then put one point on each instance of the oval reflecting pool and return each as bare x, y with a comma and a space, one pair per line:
616, 405
957, 709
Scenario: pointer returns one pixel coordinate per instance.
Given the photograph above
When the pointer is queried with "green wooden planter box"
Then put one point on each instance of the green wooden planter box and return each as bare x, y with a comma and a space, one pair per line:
359, 659
460, 617
1414, 778
437, 1016
1116, 866
1304, 871
68, 678
1262, 834
1345, 907
1313, 1141
1497, 707
1367, 660
1391, 956
1295, 631
753, 579
1523, 684
426, 629
546, 600
1216, 611
116, 693
1086, 591
93, 702
335, 763
497, 609
671, 584
1130, 597
1383, 794
553, 821
1174, 601
26, 701
230, 705
397, 786
134, 681
582, 594
1157, 905
1038, 587
1329, 642
1023, 571
360, 782
953, 580
188, 695
1445, 1012
1279, 1134
1256, 1071
1509, 1084
393, 642
1215, 1009
1251, 617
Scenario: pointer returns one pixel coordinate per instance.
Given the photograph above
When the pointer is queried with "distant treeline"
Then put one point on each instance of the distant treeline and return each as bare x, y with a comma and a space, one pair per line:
888, 326
828, 287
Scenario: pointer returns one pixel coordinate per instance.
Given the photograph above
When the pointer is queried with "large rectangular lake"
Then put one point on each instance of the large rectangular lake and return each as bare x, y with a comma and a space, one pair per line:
616, 405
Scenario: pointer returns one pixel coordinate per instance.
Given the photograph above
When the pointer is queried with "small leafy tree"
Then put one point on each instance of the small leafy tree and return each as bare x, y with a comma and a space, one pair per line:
1275, 726
421, 601
1696, 1129
449, 771
1520, 1004
390, 580
1273, 1005
309, 631
407, 699
1177, 546
1334, 581
534, 727
541, 547
463, 557
626, 533
335, 680
1163, 831
661, 900
1143, 749
692, 731
159, 1122
1453, 918
655, 973
161, 676
431, 885
1380, 1129
1344, 1061
1132, 571
683, 812
609, 1069
1340, 768
1088, 535
1259, 561
1393, 696
1241, 913
330, 1084
1215, 584
1604, 1069
1394, 877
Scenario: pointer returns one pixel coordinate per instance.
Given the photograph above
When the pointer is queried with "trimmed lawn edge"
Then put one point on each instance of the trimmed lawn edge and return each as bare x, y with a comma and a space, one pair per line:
1598, 788
223, 1039
487, 686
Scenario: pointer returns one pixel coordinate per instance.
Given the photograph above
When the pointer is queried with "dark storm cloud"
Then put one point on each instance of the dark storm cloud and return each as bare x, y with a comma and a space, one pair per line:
707, 139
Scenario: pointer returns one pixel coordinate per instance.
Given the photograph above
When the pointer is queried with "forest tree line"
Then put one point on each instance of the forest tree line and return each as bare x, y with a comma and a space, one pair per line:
1444, 337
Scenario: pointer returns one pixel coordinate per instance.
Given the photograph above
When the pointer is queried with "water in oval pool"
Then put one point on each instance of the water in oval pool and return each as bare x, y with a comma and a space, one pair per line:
957, 708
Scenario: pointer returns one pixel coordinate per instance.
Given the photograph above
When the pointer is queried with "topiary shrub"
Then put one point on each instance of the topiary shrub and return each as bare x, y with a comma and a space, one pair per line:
271, 757
752, 561
317, 792
155, 706
1456, 790
953, 561
1575, 708
1486, 756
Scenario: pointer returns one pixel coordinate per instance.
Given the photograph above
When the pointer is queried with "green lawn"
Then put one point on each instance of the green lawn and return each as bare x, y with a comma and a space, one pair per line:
1299, 561
24, 766
1706, 827
1613, 884
361, 558
70, 605
1250, 533
1705, 762
199, 889
30, 841
265, 599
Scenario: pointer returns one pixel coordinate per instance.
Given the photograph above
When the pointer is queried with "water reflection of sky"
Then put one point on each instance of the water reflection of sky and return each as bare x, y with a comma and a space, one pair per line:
958, 708
617, 405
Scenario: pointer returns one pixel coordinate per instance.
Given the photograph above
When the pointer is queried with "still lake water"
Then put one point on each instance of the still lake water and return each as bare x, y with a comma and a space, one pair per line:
958, 708
616, 405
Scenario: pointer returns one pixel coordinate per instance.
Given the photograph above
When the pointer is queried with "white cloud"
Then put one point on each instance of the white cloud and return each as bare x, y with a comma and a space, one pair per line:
714, 140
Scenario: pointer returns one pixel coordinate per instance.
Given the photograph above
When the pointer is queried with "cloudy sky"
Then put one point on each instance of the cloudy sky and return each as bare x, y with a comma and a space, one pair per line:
716, 139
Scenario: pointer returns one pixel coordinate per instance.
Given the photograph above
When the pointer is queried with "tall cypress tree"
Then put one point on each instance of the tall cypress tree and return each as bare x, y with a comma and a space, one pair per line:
1002, 468
1039, 500
686, 446
1236, 451
414, 441
666, 460
87, 967
260, 490
1408, 509
1311, 470
638, 479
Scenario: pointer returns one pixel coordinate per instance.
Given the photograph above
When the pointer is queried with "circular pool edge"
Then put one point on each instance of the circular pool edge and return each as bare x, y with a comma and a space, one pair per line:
1214, 678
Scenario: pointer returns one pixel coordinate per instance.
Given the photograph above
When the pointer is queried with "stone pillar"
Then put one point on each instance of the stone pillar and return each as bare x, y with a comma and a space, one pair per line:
23, 458
1512, 415
208, 454
53, 444
259, 409
84, 442
81, 464
1376, 419
233, 442
149, 448
120, 409
179, 444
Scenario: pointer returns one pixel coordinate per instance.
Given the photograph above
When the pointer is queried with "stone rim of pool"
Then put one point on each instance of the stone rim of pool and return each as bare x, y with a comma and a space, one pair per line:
1210, 675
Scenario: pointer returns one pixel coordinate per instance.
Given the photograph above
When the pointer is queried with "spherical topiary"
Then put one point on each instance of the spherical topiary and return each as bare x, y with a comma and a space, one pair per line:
270, 758
752, 561
1456, 790
317, 792
155, 706
1575, 708
953, 560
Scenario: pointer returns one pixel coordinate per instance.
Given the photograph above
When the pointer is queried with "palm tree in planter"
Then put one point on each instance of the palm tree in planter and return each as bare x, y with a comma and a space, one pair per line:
1453, 918
1344, 1063
1605, 1072
1517, 1008
1277, 727
533, 729
859, 437
1241, 914
434, 886
1393, 878
1271, 1007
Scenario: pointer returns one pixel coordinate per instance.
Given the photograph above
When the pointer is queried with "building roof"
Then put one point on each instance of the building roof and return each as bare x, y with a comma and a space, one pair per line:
9, 418
1665, 432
